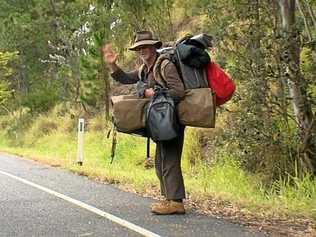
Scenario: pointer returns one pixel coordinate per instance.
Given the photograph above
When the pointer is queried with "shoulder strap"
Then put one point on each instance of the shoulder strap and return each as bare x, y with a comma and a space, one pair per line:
159, 69
140, 71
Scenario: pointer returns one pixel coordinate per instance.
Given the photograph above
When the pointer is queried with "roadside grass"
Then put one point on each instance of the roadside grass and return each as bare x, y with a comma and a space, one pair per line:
224, 180
60, 149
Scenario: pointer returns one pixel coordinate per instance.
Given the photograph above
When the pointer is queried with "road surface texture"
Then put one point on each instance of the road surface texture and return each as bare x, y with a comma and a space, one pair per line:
38, 200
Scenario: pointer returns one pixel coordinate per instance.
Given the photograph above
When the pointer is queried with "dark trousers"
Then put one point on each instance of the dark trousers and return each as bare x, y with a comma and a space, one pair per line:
168, 167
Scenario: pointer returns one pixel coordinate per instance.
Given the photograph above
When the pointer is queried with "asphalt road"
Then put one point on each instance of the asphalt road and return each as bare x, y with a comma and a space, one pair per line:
38, 200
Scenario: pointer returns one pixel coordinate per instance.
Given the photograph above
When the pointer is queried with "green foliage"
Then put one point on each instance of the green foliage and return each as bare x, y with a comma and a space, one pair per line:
194, 7
43, 126
6, 70
227, 179
98, 124
192, 150
92, 85
5, 92
41, 100
5, 59
16, 124
309, 69
261, 132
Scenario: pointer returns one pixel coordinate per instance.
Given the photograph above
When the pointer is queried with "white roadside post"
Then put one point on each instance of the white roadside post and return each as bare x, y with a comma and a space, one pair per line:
80, 141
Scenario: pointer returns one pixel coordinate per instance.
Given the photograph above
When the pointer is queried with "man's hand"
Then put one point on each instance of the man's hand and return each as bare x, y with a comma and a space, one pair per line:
149, 93
109, 56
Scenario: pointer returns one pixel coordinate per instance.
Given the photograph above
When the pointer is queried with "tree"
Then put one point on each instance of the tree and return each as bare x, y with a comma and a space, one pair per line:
297, 84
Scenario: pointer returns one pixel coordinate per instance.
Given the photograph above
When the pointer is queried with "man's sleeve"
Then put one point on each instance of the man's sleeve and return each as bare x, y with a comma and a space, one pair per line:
125, 77
174, 82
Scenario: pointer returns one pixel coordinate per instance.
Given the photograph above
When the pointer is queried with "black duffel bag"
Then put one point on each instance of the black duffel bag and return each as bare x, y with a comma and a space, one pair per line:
161, 122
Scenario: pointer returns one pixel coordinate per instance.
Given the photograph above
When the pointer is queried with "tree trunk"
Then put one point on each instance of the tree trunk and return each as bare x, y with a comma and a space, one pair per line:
298, 85
76, 76
308, 31
311, 13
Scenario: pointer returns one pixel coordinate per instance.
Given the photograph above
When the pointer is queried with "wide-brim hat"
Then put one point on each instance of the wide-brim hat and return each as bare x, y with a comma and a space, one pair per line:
145, 38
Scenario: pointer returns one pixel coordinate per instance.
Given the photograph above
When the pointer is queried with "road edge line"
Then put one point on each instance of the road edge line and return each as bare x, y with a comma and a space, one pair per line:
88, 207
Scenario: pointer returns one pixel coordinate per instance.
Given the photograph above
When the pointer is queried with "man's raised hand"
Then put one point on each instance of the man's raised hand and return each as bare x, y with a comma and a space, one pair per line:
109, 56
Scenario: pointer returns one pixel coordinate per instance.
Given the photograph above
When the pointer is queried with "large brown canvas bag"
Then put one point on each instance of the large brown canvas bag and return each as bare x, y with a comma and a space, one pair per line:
129, 112
198, 108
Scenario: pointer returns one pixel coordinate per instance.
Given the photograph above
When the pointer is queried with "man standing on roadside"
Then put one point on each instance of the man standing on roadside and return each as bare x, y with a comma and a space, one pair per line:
168, 153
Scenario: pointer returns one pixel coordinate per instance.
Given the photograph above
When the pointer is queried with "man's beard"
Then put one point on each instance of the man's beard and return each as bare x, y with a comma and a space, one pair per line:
144, 58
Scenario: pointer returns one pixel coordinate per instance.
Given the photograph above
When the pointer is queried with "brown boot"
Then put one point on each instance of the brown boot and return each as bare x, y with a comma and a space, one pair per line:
168, 208
159, 203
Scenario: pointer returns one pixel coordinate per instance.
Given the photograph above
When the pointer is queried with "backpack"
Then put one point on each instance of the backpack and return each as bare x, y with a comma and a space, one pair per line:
197, 108
195, 67
220, 82
161, 122
190, 57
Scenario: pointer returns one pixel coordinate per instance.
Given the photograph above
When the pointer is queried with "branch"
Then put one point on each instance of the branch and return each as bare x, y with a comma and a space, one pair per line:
282, 112
6, 109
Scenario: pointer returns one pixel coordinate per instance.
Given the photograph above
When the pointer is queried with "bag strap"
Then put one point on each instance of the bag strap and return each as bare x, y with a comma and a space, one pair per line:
140, 71
148, 149
114, 142
159, 69
112, 130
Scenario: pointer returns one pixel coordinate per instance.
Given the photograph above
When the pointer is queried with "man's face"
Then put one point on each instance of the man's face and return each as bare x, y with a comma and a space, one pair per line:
146, 52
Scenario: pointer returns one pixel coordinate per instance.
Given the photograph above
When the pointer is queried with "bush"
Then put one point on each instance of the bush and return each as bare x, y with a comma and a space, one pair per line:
41, 100
42, 126
16, 124
99, 124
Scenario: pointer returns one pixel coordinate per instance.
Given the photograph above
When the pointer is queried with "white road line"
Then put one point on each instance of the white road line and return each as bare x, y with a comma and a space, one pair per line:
93, 209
